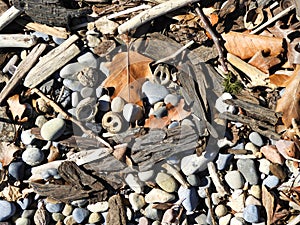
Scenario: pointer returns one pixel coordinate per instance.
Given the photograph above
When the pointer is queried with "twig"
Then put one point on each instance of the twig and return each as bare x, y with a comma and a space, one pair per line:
212, 214
295, 221
152, 13
216, 179
8, 16
58, 109
279, 15
208, 28
171, 170
127, 11
174, 54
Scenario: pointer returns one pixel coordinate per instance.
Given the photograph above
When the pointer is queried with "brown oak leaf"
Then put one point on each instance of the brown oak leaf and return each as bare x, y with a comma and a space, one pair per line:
263, 63
7, 151
17, 109
128, 71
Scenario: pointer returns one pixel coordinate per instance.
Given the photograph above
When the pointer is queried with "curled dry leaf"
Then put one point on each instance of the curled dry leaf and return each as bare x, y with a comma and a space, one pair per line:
246, 45
17, 109
128, 71
177, 113
263, 63
7, 151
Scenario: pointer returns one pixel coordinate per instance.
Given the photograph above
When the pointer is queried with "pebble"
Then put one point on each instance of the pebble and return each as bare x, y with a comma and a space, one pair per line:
132, 112
40, 121
193, 180
67, 211
22, 221
264, 166
187, 122
251, 214
24, 203
70, 70
117, 104
271, 181
53, 129
75, 98
95, 217
58, 217
54, 207
201, 219
248, 169
191, 198
80, 214
166, 182
137, 201
93, 41
27, 137
225, 220
99, 91
58, 40
143, 221
172, 99
33, 156
234, 179
7, 210
220, 210
205, 183
154, 92
223, 161
255, 190
251, 147
221, 106
89, 60
160, 112
250, 200
237, 221
278, 171
69, 220
134, 183
159, 196
256, 139
152, 213
98, 207
173, 124
16, 170
146, 175
28, 213
73, 85
79, 202
44, 36
216, 198
272, 154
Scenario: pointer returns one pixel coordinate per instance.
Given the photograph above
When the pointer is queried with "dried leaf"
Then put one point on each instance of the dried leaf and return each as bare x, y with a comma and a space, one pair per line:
268, 203
263, 63
287, 149
279, 79
17, 109
294, 51
177, 113
288, 104
11, 193
7, 151
246, 45
128, 71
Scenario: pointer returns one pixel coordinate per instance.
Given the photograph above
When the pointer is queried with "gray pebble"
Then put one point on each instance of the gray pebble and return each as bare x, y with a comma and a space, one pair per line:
69, 71
191, 198
72, 111
52, 171
154, 92
80, 214
40, 121
256, 139
54, 208
87, 92
146, 175
187, 122
234, 179
152, 213
99, 91
16, 170
46, 175
53, 129
7, 210
172, 99
173, 124
33, 156
28, 213
22, 221
73, 85
27, 137
44, 36
271, 181
193, 180
117, 104
134, 183
132, 112
251, 214
104, 103
166, 182
80, 202
223, 161
160, 112
248, 169
75, 98
137, 201
88, 59
58, 40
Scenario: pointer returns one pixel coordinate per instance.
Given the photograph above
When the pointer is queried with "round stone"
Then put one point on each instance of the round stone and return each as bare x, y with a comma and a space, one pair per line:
73, 85
28, 213
154, 92
87, 92
255, 190
251, 214
146, 175
191, 198
22, 221
234, 179
53, 129
70, 69
95, 217
224, 220
58, 217
7, 210
271, 181
134, 183
159, 196
67, 211
27, 137
75, 98
132, 112
251, 147
223, 160
193, 180
40, 121
117, 104
88, 59
172, 99
80, 214
137, 201
152, 213
54, 208
69, 220
220, 210
248, 169
160, 112
256, 139
33, 156
166, 182
98, 207
16, 170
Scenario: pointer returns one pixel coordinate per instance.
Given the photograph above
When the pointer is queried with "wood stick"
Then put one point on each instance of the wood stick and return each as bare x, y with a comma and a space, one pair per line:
127, 11
153, 13
52, 61
209, 202
8, 16
216, 179
17, 41
21, 70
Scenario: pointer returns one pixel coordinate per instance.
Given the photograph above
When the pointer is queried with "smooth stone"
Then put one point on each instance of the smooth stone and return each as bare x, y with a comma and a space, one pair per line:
24, 203
70, 70
272, 154
129, 213
201, 219
220, 210
251, 147
80, 202
27, 137
239, 145
137, 201
58, 217
191, 198
251, 214
67, 211
80, 214
271, 181
40, 121
16, 170
28, 213
172, 99
256, 139
193, 180
156, 223
104, 68
73, 85
143, 221
174, 160
187, 122
69, 220
88, 59
75, 98
251, 200
99, 91
154, 92
223, 161
234, 179
134, 183
7, 210
53, 129
248, 169
33, 156
52, 171
158, 196
221, 106
237, 221
22, 221
166, 182
146, 175
161, 112
255, 190
152, 213
41, 35
117, 104
264, 166
98, 207
132, 112
72, 111
278, 171
216, 198
87, 92
95, 217
46, 175
225, 220
58, 40
237, 201
54, 207
205, 183
104, 103
173, 124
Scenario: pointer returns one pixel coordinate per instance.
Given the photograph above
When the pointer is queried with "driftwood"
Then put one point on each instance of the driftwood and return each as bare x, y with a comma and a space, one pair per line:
8, 16
17, 41
116, 214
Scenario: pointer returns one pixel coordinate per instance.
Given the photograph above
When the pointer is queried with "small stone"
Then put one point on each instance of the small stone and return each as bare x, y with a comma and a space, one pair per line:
223, 160
79, 202
193, 180
225, 220
40, 121
248, 169
67, 211
237, 221
89, 60
99, 91
69, 71
98, 207
159, 196
160, 112
28, 213
234, 179
58, 217
154, 92
221, 106
201, 219
255, 190
87, 92
152, 213
7, 210
137, 201
173, 124
80, 214
132, 112
250, 200
264, 166
24, 203
75, 98
193, 163
16, 170
220, 210
95, 218
166, 182
216, 198
278, 171
54, 207
146, 175
172, 99
251, 214
251, 147
187, 122
104, 103
256, 139
53, 129
93, 41
22, 221
191, 198
129, 213
143, 221
69, 220
73, 85
117, 104
271, 181
237, 201
33, 156
58, 40
134, 183
272, 154
27, 137
106, 26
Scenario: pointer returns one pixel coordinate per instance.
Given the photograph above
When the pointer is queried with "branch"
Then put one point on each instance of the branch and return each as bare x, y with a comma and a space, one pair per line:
8, 16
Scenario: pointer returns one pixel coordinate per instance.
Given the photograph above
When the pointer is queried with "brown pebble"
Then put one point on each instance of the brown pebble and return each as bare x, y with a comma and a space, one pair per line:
278, 171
